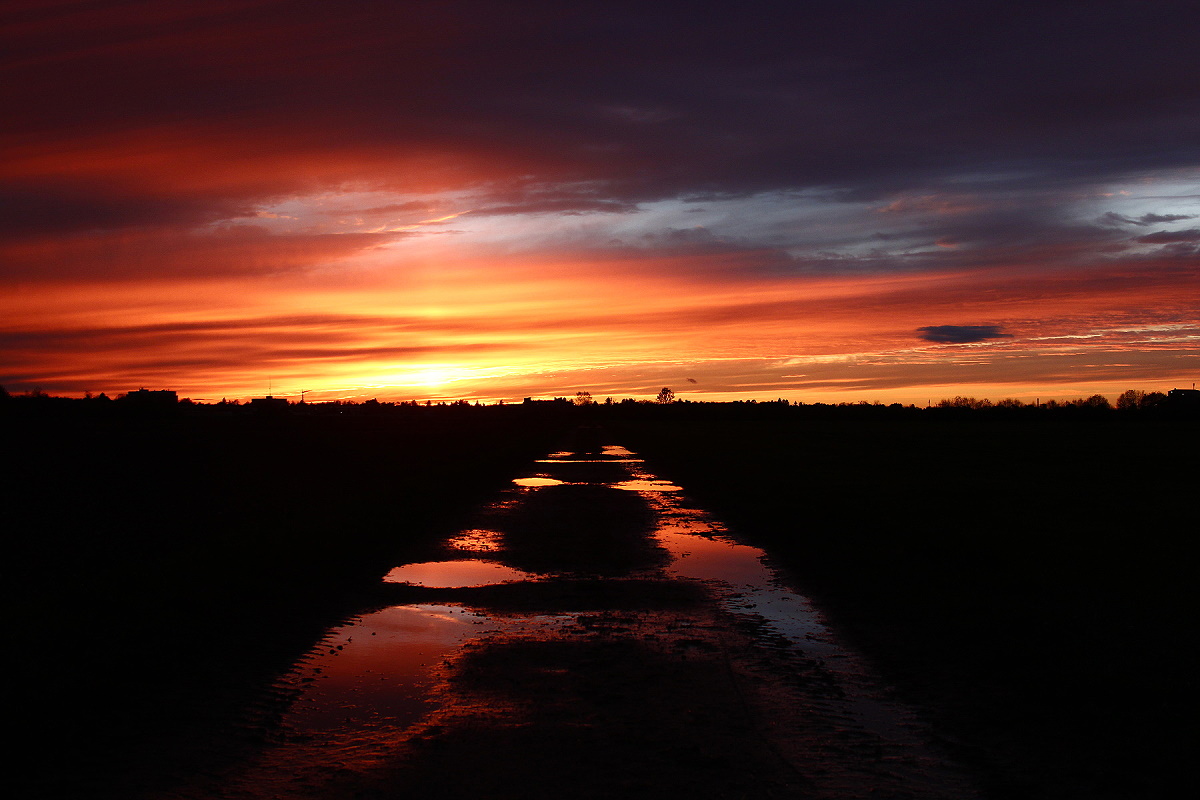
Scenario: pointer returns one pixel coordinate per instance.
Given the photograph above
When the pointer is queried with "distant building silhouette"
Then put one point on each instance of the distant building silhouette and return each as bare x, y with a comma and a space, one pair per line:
1184, 398
268, 403
558, 401
152, 398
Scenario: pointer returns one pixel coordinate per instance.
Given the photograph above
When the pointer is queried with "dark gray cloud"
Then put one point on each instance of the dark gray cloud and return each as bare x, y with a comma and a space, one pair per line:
961, 334
642, 100
1154, 219
1144, 220
1170, 237
557, 205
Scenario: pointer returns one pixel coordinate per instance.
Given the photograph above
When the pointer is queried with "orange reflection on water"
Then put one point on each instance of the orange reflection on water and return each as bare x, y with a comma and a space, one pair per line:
378, 669
715, 559
589, 461
535, 482
452, 574
648, 485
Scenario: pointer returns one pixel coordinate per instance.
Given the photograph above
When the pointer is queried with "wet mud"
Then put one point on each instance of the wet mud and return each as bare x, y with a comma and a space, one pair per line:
589, 634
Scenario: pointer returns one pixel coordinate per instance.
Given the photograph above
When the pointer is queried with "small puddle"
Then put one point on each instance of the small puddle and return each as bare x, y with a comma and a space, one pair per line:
647, 485
537, 482
709, 559
455, 574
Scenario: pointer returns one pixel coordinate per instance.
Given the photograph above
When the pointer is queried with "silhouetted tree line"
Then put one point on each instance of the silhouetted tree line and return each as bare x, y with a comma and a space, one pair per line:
1128, 401
150, 403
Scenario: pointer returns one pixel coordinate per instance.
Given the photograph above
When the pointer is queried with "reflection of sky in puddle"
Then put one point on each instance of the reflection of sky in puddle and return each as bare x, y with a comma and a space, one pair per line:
450, 574
647, 485
379, 668
608, 453
590, 461
688, 535
714, 559
477, 540
538, 481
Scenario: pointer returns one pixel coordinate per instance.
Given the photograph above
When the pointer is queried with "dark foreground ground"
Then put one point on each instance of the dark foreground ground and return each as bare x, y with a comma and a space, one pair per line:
164, 569
1029, 584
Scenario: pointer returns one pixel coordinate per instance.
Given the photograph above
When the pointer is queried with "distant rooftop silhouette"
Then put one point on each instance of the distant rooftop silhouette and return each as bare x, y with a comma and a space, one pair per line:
268, 403
1189, 398
152, 397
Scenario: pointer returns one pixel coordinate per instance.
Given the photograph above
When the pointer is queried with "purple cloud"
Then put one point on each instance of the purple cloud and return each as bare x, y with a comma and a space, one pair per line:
961, 334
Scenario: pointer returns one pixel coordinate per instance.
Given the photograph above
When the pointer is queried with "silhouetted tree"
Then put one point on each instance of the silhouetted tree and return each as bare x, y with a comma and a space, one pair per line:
665, 396
584, 399
1130, 398
964, 402
1153, 399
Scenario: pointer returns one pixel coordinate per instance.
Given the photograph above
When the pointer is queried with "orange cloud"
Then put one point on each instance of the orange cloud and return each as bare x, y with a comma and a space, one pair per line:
516, 320
171, 255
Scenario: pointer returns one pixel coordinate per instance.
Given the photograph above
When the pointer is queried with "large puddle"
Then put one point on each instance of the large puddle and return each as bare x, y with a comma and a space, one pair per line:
381, 673
377, 671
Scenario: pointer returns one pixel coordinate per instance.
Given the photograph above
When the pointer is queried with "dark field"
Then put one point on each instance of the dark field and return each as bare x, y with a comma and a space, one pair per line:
165, 569
1028, 582
1031, 583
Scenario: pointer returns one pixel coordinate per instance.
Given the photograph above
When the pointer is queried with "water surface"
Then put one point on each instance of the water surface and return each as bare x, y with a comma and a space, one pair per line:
455, 573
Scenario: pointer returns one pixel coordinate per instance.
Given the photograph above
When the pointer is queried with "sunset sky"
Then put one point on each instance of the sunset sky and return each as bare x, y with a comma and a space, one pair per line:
894, 201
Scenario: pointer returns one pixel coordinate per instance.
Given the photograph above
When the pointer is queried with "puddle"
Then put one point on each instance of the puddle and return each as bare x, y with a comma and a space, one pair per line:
700, 550
537, 481
647, 485
709, 559
586, 460
378, 669
455, 574
357, 697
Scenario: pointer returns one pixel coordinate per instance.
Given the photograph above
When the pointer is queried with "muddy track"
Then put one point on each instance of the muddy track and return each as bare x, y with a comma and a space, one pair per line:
643, 655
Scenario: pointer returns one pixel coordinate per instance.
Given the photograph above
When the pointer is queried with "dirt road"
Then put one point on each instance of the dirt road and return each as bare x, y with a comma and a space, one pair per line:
622, 646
